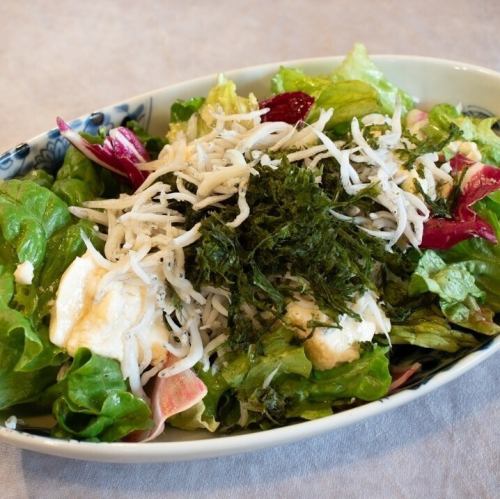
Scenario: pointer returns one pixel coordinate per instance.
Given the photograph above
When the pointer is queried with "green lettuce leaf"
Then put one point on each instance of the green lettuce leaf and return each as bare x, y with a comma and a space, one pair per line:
458, 292
482, 260
348, 99
295, 80
223, 95
356, 88
480, 131
182, 110
309, 410
29, 215
29, 361
453, 283
193, 419
427, 329
6, 284
252, 376
489, 209
358, 66
477, 318
91, 401
34, 300
36, 226
217, 386
40, 177
67, 244
242, 375
440, 121
443, 118
78, 179
280, 357
274, 381
367, 378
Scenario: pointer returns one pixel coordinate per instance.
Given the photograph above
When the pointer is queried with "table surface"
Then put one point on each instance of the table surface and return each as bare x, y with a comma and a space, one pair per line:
68, 57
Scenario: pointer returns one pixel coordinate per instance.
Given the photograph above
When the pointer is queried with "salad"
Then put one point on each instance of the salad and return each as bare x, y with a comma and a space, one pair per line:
265, 262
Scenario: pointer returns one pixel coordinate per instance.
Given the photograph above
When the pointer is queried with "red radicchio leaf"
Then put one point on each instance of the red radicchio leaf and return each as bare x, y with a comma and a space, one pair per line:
479, 181
128, 138
290, 107
459, 162
442, 233
120, 152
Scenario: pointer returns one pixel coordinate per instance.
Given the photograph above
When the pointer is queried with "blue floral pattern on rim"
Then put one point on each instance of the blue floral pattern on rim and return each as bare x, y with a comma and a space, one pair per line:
47, 151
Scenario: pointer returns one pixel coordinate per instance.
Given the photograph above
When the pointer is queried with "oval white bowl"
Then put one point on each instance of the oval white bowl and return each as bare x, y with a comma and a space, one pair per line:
430, 80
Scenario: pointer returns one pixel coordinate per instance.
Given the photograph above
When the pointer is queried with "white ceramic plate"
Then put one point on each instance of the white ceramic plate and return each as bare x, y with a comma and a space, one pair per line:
429, 80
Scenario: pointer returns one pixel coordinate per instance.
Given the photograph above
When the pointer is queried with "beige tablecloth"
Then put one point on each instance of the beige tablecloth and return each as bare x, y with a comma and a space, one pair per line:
69, 57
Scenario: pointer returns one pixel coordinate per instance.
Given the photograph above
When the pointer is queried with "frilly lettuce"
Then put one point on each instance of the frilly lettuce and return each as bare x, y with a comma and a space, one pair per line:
40, 177
34, 223
453, 283
78, 180
480, 131
29, 215
348, 99
358, 66
92, 402
194, 418
367, 378
428, 329
274, 380
182, 110
29, 361
294, 80
443, 117
356, 88
489, 209
482, 260
223, 96
456, 287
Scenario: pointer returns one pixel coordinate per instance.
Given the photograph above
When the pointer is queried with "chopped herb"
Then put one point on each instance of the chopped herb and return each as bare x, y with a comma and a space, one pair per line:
291, 228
